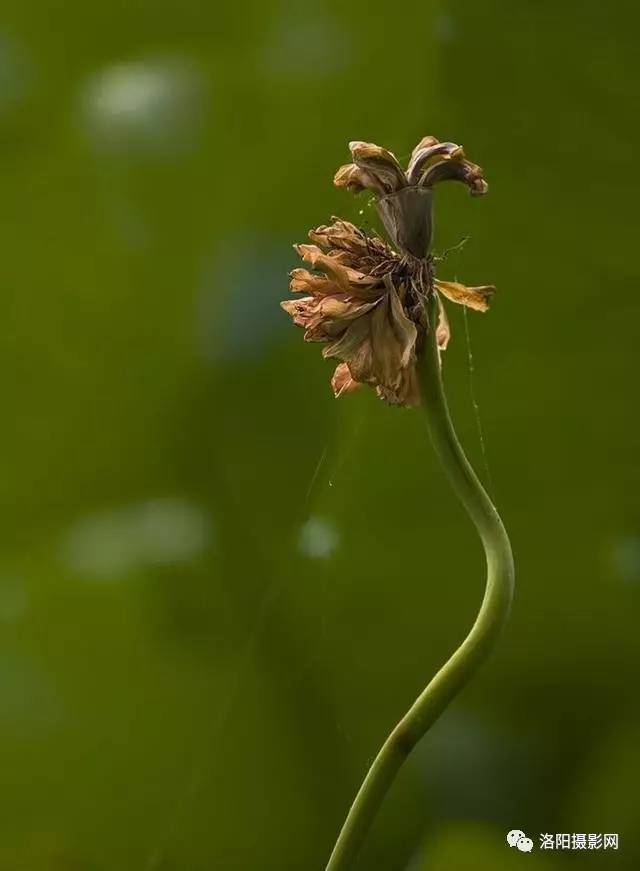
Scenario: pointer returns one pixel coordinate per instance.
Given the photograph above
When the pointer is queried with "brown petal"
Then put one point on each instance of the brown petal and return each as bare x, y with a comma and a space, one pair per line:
350, 246
342, 382
381, 164
477, 298
319, 260
339, 234
478, 187
426, 157
344, 258
301, 310
407, 391
332, 316
354, 347
425, 142
453, 169
325, 318
349, 280
378, 345
303, 281
404, 329
356, 179
443, 331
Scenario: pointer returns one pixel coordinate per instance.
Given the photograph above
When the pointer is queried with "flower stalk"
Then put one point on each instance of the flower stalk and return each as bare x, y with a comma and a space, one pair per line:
378, 309
480, 641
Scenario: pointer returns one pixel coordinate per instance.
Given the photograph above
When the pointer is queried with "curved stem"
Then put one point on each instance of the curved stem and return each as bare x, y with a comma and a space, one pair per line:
461, 667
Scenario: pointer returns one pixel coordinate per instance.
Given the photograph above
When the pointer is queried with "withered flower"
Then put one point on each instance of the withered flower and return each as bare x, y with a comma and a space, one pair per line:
378, 307
366, 300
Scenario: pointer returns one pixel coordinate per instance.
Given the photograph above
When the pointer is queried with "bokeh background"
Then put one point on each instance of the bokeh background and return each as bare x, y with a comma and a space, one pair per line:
219, 587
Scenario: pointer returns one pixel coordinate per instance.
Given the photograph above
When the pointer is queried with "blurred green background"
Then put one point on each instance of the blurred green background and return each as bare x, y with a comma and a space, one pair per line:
219, 587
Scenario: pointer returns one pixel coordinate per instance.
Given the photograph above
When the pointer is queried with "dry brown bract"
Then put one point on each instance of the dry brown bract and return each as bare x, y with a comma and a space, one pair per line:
431, 161
365, 300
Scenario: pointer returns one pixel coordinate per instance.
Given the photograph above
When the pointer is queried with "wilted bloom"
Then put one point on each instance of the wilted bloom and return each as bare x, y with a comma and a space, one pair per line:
364, 299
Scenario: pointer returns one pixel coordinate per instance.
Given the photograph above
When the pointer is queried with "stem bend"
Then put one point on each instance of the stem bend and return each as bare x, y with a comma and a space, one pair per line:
492, 616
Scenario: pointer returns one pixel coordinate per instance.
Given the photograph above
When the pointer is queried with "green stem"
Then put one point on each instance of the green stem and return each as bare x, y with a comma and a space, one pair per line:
493, 614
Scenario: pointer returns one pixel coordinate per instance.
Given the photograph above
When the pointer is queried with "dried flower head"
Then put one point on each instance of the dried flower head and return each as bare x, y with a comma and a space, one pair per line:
364, 299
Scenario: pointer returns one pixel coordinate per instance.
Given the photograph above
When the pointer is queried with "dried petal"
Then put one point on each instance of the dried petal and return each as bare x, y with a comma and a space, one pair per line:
301, 310
406, 392
477, 298
303, 281
333, 315
340, 234
379, 163
325, 318
422, 159
319, 260
403, 328
378, 345
443, 330
350, 280
478, 187
356, 179
425, 142
455, 169
342, 382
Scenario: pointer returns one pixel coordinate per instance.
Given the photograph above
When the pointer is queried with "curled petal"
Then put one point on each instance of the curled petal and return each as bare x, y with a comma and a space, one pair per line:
356, 179
333, 315
359, 252
325, 319
381, 164
342, 382
349, 280
478, 187
477, 298
422, 159
425, 142
303, 281
339, 234
319, 260
456, 169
